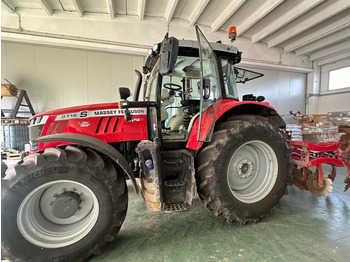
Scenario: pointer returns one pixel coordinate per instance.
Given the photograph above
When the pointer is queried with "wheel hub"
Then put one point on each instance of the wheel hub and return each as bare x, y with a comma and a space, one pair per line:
252, 171
58, 213
245, 168
66, 205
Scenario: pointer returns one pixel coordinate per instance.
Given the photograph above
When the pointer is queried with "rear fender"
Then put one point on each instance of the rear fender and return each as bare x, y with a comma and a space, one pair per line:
229, 108
252, 108
95, 144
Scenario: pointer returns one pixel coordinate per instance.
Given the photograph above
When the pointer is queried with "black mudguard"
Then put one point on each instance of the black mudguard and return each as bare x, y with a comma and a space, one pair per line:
95, 144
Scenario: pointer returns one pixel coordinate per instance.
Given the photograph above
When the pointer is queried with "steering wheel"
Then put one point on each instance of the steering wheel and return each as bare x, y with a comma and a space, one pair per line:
169, 86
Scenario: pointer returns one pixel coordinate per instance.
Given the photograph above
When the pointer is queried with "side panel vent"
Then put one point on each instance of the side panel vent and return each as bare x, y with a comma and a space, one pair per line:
107, 125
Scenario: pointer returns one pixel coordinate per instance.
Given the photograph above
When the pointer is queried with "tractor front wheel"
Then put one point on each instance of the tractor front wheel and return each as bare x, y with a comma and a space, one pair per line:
64, 204
244, 171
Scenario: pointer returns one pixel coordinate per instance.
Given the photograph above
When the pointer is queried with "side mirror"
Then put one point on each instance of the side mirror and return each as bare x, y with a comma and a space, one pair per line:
124, 93
206, 88
168, 55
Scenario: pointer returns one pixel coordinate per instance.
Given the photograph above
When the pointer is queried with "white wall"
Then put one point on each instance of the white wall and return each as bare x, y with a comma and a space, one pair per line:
59, 77
283, 90
323, 100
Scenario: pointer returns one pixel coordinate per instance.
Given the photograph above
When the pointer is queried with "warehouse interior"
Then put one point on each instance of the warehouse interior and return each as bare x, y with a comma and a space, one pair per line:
67, 53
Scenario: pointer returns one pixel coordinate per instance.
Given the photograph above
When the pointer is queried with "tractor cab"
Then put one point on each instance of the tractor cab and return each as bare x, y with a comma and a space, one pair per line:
188, 80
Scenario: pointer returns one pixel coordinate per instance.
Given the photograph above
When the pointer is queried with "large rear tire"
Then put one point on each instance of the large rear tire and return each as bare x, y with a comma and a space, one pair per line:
244, 171
61, 205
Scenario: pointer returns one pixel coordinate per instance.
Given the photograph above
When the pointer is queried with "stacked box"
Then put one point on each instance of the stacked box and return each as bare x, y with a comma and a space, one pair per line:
342, 119
316, 129
294, 132
344, 140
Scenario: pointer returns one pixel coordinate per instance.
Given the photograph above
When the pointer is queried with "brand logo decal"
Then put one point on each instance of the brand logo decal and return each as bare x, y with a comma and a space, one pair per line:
101, 112
84, 123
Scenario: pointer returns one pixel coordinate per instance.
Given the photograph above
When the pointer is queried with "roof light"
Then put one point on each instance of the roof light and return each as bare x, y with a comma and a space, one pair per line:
156, 48
232, 33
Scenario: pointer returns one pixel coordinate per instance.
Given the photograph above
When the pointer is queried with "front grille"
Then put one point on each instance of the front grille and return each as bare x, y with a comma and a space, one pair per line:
35, 131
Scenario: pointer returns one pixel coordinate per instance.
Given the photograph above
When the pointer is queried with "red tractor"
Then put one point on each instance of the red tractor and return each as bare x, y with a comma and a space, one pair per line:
189, 136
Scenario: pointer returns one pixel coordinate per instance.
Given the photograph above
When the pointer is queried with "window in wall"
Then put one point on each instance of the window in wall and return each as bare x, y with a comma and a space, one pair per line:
339, 78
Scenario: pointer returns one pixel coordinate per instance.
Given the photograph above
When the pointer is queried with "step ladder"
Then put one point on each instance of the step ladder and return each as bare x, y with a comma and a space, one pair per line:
10, 90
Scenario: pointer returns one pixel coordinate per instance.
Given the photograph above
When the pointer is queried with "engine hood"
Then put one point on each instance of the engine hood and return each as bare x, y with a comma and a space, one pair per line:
103, 121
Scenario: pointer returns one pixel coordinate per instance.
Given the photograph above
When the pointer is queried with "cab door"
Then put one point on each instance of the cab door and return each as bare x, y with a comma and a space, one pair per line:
210, 89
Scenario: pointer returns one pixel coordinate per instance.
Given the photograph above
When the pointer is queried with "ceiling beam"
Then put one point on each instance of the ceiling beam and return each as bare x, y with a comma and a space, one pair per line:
334, 58
226, 14
169, 11
258, 64
316, 16
78, 7
61, 41
9, 6
284, 19
320, 33
257, 14
331, 51
197, 11
141, 9
111, 8
327, 41
46, 6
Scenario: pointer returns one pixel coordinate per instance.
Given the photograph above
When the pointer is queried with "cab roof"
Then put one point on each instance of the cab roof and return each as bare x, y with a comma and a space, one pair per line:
190, 48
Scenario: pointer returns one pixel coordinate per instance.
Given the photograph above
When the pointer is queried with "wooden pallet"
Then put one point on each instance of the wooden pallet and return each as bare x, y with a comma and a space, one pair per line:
13, 156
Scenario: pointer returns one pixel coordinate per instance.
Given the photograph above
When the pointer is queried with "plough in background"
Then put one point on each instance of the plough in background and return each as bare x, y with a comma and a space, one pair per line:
306, 155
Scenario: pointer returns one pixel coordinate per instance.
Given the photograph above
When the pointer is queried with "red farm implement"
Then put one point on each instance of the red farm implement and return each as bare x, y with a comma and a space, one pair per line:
306, 155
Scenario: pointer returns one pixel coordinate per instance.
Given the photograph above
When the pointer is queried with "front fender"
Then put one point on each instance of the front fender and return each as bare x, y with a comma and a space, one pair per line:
95, 144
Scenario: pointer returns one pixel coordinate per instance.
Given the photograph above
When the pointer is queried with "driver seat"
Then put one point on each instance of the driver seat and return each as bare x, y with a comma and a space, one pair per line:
167, 99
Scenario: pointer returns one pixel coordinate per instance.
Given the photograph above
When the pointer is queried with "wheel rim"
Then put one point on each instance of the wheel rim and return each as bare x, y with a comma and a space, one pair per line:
252, 171
44, 221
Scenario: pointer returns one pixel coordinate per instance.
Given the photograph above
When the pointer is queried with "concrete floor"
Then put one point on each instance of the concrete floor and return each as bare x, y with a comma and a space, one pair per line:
304, 228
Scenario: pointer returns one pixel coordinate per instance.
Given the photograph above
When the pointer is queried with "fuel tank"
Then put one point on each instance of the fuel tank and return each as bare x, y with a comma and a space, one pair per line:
103, 121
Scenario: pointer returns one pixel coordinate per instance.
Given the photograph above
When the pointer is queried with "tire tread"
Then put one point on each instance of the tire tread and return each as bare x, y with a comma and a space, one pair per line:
209, 155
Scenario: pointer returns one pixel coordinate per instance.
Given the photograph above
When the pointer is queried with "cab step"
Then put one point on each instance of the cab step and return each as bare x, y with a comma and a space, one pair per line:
174, 183
178, 207
178, 182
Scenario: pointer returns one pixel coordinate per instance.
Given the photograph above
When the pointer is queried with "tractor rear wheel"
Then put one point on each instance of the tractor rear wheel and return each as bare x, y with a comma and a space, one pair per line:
61, 205
244, 171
